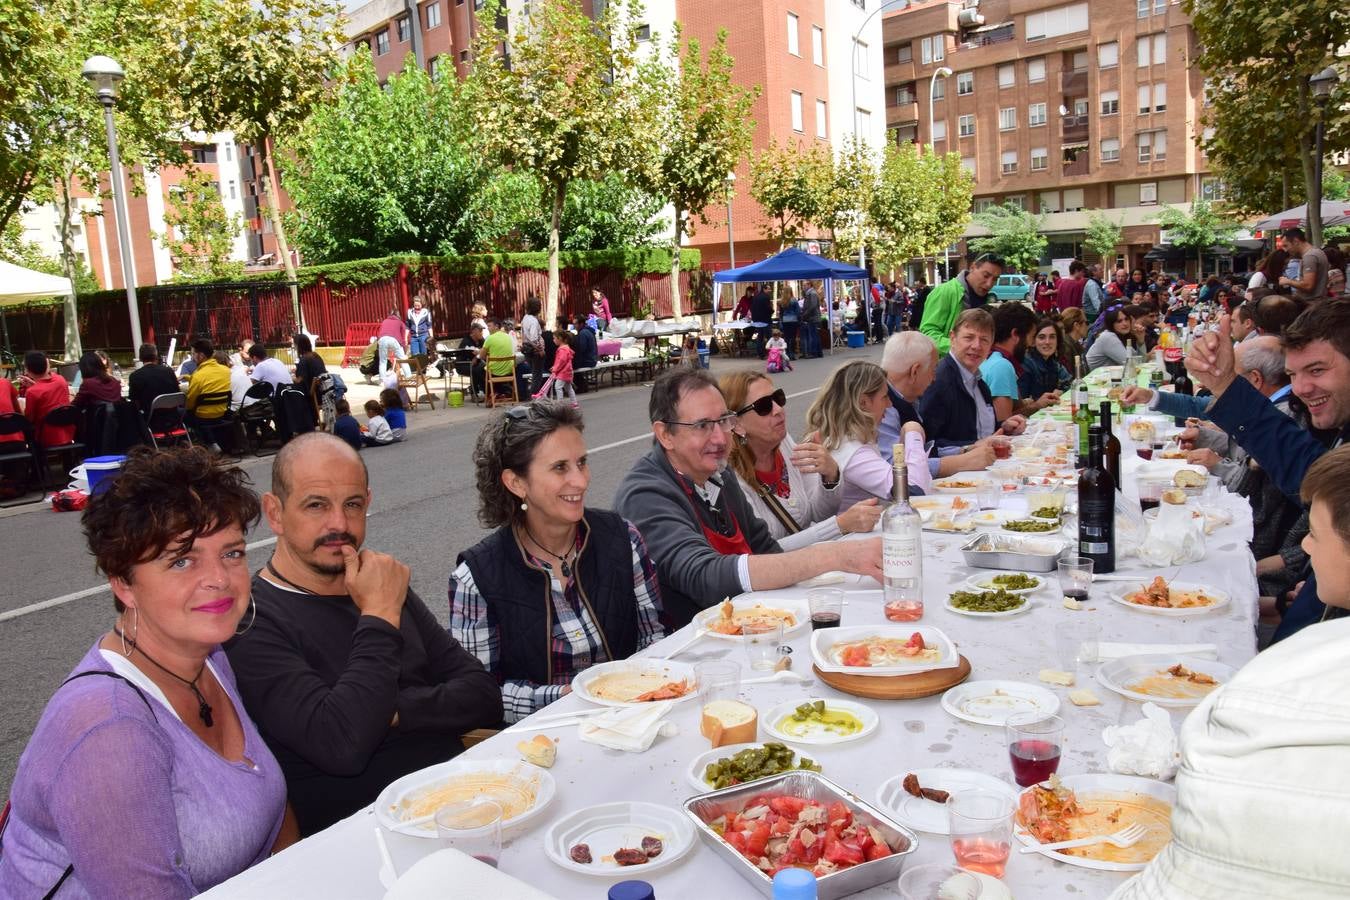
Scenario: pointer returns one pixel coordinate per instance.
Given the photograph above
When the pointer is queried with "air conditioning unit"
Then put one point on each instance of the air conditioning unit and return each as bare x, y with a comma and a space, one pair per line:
969, 18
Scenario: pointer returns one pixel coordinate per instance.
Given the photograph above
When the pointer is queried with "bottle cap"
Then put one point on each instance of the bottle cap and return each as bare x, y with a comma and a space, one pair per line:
794, 884
632, 890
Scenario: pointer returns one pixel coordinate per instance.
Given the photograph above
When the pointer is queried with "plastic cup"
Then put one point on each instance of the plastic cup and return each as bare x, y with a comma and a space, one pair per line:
1075, 576
938, 881
981, 830
1035, 744
989, 494
826, 606
762, 638
472, 827
717, 680
1077, 645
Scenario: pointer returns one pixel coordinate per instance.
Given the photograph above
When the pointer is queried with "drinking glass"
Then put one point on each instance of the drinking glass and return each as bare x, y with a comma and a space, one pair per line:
1002, 447
989, 494
762, 638
1077, 645
826, 605
938, 881
1035, 741
1075, 576
717, 680
1213, 491
981, 830
473, 827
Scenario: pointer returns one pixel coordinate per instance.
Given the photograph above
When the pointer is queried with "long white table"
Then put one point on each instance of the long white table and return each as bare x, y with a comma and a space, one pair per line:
343, 862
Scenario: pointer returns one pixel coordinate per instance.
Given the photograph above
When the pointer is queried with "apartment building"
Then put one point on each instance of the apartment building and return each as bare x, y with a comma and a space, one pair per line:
1059, 108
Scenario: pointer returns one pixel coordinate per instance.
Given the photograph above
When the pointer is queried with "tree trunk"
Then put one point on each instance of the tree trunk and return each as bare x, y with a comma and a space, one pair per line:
72, 310
555, 225
274, 211
675, 308
1284, 189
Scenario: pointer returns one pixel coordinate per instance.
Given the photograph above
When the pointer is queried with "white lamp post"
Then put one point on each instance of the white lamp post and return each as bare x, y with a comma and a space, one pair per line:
944, 73
731, 238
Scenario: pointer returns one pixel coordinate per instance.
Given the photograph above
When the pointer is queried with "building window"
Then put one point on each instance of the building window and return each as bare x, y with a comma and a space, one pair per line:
1159, 146
404, 29
434, 67
382, 43
1145, 98
1211, 189
905, 134
983, 204
1036, 70
1159, 96
1007, 76
204, 154
1008, 162
817, 45
1036, 114
933, 49
433, 15
643, 33
965, 83
1080, 60
229, 156
939, 88
1111, 150
968, 163
793, 47
1142, 7
1108, 55
1159, 7
940, 130
1056, 22
1007, 118
796, 101
1016, 201
1040, 159
820, 119
965, 126
1145, 142
860, 58
905, 53
1080, 106
1160, 48
904, 95
1073, 199
1049, 201
1148, 193
234, 191
1110, 103
862, 120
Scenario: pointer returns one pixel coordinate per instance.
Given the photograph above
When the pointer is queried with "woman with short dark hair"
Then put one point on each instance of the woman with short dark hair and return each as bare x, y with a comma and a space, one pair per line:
558, 587
1042, 372
145, 776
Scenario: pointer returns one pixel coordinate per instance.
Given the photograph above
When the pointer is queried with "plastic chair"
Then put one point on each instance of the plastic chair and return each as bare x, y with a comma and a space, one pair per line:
212, 428
23, 450
416, 382
508, 380
72, 451
166, 421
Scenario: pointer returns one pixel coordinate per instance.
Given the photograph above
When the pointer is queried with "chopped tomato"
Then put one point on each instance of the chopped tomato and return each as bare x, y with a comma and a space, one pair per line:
863, 839
915, 640
788, 806
756, 839
839, 816
781, 827
877, 851
842, 854
856, 656
736, 840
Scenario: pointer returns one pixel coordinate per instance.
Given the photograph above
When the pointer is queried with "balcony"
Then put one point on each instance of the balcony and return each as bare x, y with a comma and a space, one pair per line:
1073, 128
1073, 83
902, 113
1076, 160
987, 35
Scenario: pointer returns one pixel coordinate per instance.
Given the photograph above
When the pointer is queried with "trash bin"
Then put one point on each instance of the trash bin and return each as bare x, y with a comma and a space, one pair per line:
857, 338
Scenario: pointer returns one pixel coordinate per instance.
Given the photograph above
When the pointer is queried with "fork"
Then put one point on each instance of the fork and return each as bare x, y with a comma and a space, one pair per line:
1126, 837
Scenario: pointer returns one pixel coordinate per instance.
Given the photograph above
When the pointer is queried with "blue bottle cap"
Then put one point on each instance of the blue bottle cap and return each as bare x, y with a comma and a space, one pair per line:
632, 890
794, 884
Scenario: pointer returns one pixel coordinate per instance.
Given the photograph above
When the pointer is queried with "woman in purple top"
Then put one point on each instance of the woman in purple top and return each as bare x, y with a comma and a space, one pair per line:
145, 777
600, 308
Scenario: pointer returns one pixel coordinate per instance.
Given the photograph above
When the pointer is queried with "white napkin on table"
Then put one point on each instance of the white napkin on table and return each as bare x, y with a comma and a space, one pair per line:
916, 461
631, 728
433, 876
1115, 650
1174, 538
1147, 748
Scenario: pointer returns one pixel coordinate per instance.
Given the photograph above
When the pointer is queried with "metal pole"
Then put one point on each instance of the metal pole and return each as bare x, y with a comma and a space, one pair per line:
731, 237
1317, 180
932, 148
123, 232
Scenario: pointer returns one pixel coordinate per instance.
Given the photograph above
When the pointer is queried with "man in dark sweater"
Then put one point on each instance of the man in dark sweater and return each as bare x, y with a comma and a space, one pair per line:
351, 680
151, 380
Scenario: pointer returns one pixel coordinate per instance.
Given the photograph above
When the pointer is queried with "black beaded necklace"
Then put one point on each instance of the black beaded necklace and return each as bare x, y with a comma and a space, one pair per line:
565, 561
203, 708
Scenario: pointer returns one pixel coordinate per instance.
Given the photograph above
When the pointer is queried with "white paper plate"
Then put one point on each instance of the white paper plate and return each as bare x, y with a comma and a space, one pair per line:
1116, 674
1027, 604
822, 640
984, 581
932, 526
931, 502
611, 826
669, 669
946, 485
927, 815
700, 763
993, 702
795, 605
991, 518
1122, 590
1095, 785
868, 716
388, 803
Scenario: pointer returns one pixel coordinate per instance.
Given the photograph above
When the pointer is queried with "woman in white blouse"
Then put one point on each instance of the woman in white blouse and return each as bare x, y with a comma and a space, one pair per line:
789, 485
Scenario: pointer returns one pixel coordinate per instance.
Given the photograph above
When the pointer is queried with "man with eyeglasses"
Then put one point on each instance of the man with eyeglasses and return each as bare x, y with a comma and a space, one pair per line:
706, 542
968, 290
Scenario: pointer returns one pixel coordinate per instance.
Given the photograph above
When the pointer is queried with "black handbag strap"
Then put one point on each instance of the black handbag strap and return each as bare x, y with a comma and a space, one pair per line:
779, 511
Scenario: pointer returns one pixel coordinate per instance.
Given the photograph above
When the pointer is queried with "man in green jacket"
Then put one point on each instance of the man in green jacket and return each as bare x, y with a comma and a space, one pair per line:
968, 290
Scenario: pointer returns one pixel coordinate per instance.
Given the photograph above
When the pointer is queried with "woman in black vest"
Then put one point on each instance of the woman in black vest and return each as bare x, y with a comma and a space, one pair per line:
557, 587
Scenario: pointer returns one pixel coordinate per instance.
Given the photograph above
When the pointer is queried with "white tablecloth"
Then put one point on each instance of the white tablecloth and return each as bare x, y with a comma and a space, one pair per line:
342, 862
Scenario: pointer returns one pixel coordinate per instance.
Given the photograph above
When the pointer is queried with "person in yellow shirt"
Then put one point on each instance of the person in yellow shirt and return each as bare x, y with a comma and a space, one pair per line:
498, 345
210, 377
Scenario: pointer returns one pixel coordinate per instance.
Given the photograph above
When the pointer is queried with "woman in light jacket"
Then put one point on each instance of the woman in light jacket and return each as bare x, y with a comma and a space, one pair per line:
846, 416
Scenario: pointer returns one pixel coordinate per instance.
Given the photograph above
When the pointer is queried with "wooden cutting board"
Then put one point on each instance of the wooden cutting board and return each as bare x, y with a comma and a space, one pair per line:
897, 687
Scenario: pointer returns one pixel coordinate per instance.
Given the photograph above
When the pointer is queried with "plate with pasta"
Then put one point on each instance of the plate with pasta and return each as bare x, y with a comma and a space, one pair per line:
408, 804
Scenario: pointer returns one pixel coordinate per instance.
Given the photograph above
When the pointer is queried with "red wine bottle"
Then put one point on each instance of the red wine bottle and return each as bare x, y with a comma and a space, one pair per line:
1110, 444
1097, 508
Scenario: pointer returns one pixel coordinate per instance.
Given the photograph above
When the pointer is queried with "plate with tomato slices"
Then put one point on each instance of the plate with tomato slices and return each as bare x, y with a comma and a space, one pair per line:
882, 650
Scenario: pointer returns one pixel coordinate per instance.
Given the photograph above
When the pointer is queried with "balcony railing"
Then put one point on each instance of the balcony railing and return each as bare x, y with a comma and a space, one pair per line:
1073, 83
1074, 128
902, 113
980, 39
1076, 163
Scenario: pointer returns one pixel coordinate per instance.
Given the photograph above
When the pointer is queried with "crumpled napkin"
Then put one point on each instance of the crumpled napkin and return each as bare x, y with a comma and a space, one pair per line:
631, 728
916, 462
1148, 747
1175, 537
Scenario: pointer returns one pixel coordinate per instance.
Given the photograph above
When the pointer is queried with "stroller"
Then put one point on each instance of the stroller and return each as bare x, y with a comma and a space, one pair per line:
544, 389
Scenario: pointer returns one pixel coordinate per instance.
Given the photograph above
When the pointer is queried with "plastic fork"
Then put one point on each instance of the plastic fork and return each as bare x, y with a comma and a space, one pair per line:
1126, 837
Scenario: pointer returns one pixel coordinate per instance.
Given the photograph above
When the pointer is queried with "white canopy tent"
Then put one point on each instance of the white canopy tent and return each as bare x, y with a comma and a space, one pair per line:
19, 285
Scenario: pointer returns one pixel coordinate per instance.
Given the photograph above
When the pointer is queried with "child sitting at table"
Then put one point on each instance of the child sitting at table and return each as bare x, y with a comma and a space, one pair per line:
377, 430
561, 374
345, 425
394, 413
776, 359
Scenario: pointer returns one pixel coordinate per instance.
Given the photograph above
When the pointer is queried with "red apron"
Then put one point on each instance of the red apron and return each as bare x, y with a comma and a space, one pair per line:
733, 544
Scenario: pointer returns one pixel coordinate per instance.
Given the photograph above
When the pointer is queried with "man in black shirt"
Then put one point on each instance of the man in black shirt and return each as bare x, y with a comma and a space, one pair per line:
351, 680
152, 379
468, 363
761, 311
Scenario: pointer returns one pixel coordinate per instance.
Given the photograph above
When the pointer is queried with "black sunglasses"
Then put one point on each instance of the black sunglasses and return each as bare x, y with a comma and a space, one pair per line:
764, 405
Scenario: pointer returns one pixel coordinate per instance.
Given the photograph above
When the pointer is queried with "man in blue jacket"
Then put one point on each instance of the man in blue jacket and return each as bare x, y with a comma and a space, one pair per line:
1317, 356
957, 408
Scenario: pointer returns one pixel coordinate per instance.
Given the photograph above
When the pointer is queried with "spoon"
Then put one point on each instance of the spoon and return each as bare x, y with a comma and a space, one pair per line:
786, 676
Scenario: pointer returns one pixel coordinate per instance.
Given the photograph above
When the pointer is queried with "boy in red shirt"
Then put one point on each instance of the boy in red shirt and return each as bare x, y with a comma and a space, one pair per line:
47, 391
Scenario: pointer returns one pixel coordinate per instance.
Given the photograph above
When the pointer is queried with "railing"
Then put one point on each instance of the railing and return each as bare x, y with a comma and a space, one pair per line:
1073, 83
1074, 128
902, 113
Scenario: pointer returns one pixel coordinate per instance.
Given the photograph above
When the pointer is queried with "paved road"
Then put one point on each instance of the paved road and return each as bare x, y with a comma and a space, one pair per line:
423, 511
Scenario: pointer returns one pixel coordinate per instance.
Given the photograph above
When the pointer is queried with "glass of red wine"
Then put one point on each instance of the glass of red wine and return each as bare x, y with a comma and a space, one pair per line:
826, 605
980, 823
1035, 741
1075, 576
473, 827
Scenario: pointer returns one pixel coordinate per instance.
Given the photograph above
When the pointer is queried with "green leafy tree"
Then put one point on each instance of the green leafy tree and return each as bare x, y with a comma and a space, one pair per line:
1257, 60
953, 200
1335, 186
1014, 234
607, 214
1102, 237
1198, 229
921, 204
787, 182
565, 107
846, 198
201, 233
702, 130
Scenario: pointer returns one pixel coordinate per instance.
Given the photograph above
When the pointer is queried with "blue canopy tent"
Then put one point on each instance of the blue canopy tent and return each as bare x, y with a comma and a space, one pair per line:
795, 265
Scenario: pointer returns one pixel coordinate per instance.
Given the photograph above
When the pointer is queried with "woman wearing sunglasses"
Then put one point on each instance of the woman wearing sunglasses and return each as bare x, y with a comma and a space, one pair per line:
846, 416
790, 486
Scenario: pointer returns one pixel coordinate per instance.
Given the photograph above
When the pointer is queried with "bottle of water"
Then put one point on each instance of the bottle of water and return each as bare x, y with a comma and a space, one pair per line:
902, 552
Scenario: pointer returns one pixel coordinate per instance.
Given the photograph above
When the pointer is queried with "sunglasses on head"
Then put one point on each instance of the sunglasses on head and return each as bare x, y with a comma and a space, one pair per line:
764, 405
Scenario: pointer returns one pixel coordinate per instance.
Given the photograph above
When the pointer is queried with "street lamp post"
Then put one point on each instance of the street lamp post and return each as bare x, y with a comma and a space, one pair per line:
105, 74
940, 72
731, 238
1322, 85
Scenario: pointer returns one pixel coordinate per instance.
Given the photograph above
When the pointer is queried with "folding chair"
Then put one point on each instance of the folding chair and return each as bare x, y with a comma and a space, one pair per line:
70, 452
254, 417
508, 380
213, 428
166, 421
416, 382
24, 450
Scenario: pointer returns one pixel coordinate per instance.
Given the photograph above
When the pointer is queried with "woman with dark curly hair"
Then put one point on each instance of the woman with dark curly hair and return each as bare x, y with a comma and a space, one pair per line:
1042, 371
145, 777
547, 594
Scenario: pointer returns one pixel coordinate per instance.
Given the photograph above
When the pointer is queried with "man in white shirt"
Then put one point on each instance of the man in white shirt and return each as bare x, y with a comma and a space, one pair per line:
268, 368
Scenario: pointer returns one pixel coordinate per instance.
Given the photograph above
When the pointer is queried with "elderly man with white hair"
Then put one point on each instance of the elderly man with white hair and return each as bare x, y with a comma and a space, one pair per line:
910, 360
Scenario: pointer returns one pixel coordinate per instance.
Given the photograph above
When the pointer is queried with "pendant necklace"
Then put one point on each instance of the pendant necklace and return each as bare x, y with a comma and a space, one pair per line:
565, 560
203, 708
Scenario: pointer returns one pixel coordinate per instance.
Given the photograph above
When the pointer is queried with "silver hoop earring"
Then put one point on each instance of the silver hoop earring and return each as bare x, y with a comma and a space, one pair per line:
135, 630
253, 608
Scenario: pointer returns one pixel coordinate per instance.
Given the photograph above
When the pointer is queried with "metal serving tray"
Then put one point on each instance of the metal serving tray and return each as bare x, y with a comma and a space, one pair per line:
809, 786
1016, 552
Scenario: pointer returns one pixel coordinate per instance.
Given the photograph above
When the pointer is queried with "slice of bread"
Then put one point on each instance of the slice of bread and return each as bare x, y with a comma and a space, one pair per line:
539, 750
1189, 478
729, 722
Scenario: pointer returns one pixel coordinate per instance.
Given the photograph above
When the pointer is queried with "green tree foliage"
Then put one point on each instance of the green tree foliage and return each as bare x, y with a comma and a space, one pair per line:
608, 214
1257, 59
1014, 234
846, 198
921, 204
1198, 229
201, 233
566, 107
1102, 237
788, 183
702, 130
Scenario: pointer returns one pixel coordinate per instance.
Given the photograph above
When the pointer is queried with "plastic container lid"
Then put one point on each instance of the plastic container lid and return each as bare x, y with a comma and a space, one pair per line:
632, 890
794, 884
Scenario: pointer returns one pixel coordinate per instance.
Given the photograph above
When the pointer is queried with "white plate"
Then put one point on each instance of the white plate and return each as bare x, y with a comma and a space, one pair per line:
389, 801
825, 638
991, 517
1092, 785
1059, 527
670, 670
795, 605
984, 581
1115, 674
611, 826
930, 502
1027, 604
1119, 594
700, 763
927, 815
965, 528
945, 485
993, 702
867, 715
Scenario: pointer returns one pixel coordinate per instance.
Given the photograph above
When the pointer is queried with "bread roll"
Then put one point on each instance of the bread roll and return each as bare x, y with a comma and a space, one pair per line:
539, 750
729, 722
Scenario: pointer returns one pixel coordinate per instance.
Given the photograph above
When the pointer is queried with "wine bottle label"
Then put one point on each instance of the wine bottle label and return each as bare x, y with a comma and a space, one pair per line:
900, 556
1095, 548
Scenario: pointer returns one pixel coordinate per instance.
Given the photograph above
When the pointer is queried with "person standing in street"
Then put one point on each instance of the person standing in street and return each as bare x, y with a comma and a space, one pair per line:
419, 328
1311, 284
811, 322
